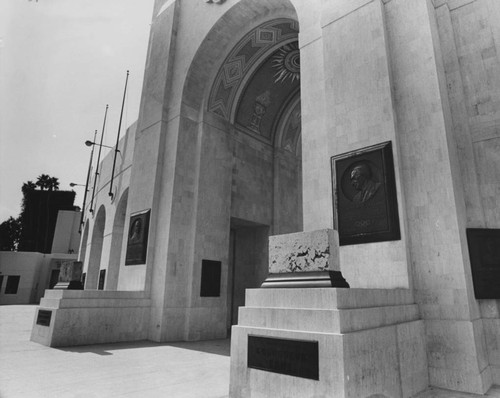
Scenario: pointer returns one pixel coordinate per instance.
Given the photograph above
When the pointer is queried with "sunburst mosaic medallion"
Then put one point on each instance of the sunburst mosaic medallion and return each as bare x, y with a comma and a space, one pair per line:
287, 63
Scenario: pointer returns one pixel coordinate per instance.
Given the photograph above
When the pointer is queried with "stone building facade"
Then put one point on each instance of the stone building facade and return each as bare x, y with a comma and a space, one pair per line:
244, 104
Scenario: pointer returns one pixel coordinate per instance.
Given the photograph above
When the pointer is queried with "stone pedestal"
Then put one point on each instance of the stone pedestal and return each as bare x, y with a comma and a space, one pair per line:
70, 276
311, 341
369, 342
80, 317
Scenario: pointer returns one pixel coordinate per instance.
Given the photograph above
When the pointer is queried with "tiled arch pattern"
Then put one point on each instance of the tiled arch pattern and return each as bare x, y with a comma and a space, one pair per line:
241, 59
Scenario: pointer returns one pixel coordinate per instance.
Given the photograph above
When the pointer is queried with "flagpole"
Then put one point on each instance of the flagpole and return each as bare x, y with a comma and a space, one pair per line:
110, 193
98, 160
87, 184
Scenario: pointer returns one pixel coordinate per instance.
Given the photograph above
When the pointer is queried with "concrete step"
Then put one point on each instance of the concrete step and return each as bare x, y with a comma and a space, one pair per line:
326, 321
327, 298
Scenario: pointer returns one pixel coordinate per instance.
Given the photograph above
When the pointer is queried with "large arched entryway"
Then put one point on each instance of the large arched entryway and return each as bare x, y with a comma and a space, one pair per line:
237, 176
83, 243
116, 243
257, 90
96, 250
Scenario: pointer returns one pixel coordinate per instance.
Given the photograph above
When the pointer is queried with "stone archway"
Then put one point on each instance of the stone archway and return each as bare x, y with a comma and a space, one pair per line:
96, 250
244, 175
83, 248
116, 243
194, 201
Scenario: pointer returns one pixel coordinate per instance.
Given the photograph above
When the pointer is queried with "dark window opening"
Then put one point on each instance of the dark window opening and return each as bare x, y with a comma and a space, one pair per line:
12, 284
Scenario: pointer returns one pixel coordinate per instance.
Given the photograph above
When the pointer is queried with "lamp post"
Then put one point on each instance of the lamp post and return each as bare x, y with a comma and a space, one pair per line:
91, 143
72, 184
86, 184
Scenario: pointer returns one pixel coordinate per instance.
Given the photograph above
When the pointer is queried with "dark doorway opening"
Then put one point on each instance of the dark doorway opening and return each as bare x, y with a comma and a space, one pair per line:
248, 262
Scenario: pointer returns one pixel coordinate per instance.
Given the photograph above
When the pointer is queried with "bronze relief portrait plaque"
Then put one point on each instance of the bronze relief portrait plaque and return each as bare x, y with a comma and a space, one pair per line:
484, 254
364, 195
137, 243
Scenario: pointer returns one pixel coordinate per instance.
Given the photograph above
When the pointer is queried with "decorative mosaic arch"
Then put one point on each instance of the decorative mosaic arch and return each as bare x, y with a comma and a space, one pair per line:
243, 58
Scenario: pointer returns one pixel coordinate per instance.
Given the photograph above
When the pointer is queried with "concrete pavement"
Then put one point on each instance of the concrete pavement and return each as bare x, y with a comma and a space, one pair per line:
141, 369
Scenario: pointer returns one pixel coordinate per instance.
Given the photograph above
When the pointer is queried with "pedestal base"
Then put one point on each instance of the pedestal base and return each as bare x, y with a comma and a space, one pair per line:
73, 285
305, 280
368, 341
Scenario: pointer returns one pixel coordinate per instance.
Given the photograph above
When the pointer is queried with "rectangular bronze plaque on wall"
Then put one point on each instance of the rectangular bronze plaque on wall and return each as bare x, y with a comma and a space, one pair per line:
210, 278
43, 317
137, 243
484, 253
299, 358
102, 278
364, 195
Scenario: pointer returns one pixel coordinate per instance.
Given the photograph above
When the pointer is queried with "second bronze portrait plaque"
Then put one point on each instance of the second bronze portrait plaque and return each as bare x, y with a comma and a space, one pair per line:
365, 200
137, 243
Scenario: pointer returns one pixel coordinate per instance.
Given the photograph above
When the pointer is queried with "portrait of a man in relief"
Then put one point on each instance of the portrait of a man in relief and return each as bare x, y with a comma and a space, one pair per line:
365, 197
137, 239
361, 180
136, 231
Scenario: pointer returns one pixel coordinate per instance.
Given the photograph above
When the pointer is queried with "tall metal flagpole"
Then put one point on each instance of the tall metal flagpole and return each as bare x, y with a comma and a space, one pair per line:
87, 184
110, 193
98, 160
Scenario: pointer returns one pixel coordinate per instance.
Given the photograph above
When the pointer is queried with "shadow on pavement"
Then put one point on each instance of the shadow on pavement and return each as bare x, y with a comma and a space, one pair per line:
217, 347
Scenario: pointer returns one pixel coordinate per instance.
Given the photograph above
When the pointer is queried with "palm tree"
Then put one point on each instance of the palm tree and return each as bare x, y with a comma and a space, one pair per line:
53, 184
45, 181
28, 186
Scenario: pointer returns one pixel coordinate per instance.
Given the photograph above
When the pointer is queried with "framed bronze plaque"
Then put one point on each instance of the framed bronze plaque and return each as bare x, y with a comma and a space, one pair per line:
102, 278
43, 317
137, 244
299, 358
484, 253
364, 195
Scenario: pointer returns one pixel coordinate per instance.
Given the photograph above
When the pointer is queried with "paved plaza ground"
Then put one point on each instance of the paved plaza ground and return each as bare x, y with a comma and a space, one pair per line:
141, 369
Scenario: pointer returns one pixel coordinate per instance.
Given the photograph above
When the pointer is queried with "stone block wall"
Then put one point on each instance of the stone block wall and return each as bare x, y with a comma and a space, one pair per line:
469, 33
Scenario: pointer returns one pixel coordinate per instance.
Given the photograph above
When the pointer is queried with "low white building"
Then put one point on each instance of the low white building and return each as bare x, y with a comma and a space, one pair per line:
24, 276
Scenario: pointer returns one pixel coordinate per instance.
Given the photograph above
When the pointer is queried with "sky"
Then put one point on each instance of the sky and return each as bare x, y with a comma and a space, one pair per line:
61, 62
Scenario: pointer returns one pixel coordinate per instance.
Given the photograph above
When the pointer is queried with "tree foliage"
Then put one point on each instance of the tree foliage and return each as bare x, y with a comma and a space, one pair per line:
28, 186
10, 233
10, 230
47, 182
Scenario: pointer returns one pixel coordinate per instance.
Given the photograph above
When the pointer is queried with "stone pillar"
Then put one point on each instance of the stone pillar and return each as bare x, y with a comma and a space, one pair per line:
316, 183
434, 200
154, 161
348, 105
200, 219
372, 71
